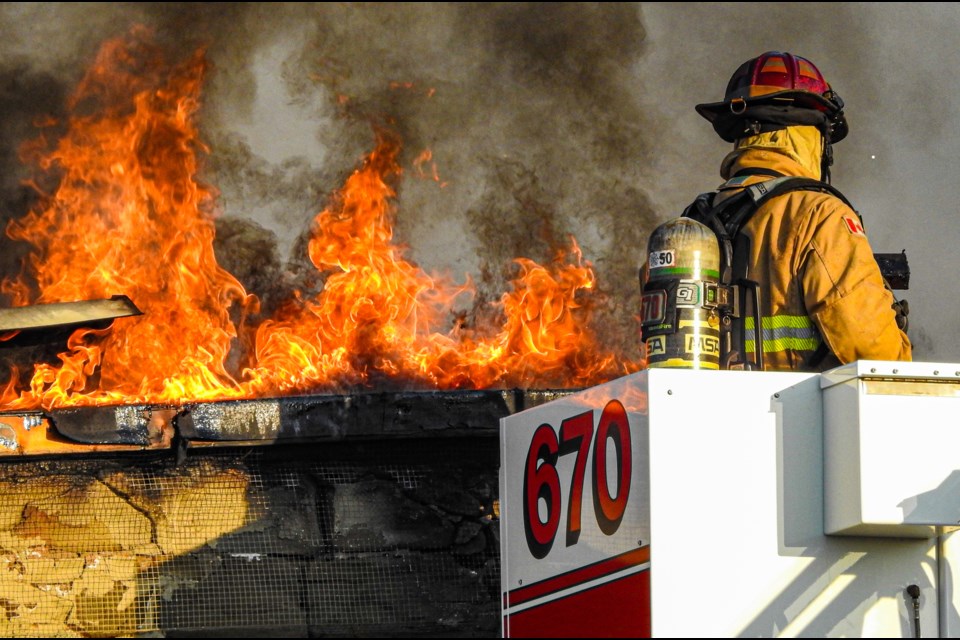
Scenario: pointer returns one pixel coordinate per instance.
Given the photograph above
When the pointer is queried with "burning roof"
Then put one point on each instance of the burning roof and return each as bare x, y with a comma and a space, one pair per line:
121, 211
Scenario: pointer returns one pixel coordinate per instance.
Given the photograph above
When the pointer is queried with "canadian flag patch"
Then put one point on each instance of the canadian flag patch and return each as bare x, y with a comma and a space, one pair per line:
854, 226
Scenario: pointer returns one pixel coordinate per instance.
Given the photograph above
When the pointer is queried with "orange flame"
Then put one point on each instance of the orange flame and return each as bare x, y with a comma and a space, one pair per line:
128, 216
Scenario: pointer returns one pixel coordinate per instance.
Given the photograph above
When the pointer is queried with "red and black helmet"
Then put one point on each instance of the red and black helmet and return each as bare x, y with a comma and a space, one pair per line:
772, 91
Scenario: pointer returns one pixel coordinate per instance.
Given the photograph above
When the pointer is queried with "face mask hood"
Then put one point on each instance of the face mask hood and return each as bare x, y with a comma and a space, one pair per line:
794, 150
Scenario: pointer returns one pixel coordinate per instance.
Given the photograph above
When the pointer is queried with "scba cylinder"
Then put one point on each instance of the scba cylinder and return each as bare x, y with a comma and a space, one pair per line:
680, 326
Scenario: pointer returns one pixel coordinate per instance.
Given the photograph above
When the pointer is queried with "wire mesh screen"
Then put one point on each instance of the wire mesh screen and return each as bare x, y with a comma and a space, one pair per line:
372, 539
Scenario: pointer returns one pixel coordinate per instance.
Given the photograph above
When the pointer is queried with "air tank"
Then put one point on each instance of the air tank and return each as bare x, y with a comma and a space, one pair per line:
680, 327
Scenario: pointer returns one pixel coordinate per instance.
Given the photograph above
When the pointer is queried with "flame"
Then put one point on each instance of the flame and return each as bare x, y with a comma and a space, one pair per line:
426, 156
128, 216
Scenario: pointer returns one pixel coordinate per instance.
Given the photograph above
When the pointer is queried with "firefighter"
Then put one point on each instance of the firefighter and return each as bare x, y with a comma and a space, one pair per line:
823, 300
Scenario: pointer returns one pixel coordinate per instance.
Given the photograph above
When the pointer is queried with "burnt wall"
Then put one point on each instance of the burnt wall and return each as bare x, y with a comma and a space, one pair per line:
380, 537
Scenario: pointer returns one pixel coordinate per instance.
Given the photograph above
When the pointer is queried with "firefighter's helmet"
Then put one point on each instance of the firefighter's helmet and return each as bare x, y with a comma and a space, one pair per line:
772, 91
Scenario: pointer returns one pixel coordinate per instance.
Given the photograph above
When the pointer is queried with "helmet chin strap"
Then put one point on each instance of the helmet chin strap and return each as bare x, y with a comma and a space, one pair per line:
826, 160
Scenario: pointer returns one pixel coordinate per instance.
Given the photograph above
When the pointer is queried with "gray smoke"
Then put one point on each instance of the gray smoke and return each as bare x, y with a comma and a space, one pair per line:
544, 120
893, 66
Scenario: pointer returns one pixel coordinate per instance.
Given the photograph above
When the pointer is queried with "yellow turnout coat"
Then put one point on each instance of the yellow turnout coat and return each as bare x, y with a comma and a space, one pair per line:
819, 280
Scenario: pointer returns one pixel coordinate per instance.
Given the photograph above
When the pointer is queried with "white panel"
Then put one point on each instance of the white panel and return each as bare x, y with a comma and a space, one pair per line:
736, 513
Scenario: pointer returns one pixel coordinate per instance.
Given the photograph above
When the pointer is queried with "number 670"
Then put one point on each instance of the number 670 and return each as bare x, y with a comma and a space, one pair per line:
541, 481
